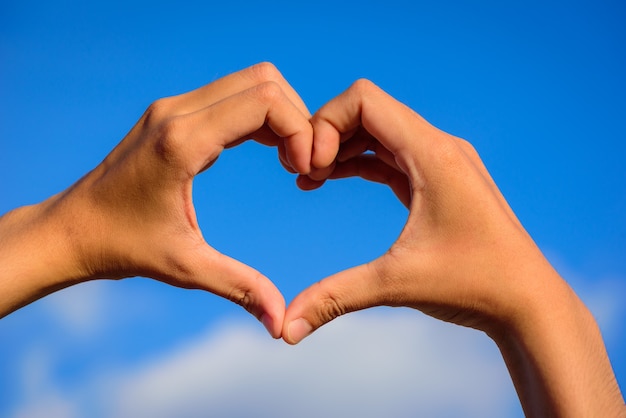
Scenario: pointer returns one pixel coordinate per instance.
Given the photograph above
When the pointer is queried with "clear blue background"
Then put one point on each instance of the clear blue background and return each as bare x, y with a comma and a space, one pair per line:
539, 88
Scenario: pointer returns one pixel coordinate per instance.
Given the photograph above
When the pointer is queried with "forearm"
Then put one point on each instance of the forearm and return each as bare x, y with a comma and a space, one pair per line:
37, 256
556, 356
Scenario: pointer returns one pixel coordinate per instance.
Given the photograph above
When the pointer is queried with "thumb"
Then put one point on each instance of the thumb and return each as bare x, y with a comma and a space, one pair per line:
242, 284
347, 291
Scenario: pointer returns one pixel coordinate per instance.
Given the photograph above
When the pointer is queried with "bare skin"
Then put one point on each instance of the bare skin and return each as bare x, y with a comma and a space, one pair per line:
133, 214
462, 257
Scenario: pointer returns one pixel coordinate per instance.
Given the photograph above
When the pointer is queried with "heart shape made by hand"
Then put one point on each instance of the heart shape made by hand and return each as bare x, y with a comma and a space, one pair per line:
462, 255
137, 205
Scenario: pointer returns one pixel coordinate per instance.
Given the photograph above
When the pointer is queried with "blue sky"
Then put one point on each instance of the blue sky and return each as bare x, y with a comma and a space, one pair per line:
538, 87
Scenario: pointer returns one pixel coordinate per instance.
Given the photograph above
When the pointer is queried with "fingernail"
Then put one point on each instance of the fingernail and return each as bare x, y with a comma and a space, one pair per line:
268, 323
299, 329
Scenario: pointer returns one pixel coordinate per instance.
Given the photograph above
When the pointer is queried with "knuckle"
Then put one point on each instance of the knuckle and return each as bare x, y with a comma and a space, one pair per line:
265, 71
169, 141
268, 92
468, 147
170, 130
331, 307
243, 298
158, 111
363, 86
391, 277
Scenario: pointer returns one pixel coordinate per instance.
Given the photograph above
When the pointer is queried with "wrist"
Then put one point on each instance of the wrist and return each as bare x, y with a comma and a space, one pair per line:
554, 351
37, 253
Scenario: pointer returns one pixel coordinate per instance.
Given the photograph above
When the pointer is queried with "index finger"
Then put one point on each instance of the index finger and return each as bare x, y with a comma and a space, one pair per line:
201, 136
232, 84
393, 124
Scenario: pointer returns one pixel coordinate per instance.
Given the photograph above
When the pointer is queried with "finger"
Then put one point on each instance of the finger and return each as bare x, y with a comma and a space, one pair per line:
232, 84
241, 284
398, 128
325, 143
369, 167
350, 290
307, 183
321, 174
358, 143
282, 157
201, 136
363, 142
349, 144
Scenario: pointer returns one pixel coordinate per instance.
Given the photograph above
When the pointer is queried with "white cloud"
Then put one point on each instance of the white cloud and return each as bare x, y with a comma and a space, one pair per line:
369, 364
80, 309
40, 397
51, 406
365, 365
377, 363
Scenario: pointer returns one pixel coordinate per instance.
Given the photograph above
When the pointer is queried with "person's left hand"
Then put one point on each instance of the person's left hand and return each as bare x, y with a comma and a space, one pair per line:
133, 215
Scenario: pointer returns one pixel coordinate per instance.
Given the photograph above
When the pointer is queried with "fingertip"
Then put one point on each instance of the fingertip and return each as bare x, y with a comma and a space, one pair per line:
282, 157
307, 184
298, 153
272, 326
326, 141
297, 330
321, 174
301, 164
300, 319
272, 305
248, 288
334, 296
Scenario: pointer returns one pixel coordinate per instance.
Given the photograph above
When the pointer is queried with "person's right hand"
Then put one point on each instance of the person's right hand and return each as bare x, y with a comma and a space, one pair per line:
133, 215
462, 256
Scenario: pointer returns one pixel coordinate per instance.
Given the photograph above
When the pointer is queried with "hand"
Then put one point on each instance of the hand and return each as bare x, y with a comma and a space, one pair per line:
461, 239
133, 215
462, 256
